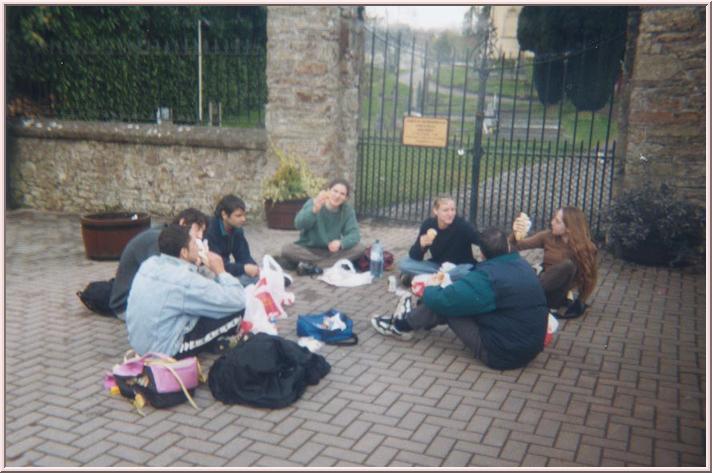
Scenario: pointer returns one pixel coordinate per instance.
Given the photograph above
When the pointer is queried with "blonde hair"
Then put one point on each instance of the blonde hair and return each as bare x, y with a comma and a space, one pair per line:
440, 199
583, 249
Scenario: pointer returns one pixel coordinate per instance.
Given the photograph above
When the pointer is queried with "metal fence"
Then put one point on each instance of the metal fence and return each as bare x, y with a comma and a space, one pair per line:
506, 152
182, 82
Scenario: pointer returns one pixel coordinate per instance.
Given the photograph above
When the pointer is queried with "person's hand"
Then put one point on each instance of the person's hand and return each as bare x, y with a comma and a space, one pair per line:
320, 200
334, 246
215, 263
252, 270
427, 238
520, 226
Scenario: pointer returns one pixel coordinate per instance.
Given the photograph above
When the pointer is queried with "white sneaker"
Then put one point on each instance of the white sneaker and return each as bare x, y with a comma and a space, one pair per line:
385, 326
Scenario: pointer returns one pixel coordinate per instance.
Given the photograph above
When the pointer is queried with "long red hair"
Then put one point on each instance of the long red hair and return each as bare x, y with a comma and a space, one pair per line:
584, 251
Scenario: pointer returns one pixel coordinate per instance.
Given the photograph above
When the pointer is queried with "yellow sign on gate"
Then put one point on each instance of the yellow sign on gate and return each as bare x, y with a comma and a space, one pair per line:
425, 131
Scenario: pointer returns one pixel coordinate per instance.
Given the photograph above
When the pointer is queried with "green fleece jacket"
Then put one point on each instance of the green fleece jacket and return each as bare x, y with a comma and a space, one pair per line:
317, 230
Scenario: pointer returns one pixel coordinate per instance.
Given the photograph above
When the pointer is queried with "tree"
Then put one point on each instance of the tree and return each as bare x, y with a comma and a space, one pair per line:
577, 50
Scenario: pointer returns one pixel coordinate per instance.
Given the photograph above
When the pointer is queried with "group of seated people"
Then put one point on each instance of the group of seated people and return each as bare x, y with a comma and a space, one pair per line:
181, 300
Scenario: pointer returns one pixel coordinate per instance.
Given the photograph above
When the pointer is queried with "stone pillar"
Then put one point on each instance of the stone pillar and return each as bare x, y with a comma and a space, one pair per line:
665, 119
314, 55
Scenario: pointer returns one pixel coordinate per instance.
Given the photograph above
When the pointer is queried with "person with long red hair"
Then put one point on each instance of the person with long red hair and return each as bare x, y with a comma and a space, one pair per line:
569, 260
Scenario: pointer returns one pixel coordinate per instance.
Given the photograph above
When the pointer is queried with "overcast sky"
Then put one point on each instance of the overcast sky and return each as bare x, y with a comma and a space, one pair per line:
435, 17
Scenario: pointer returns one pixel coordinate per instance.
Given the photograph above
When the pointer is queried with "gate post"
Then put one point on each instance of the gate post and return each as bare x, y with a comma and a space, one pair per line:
477, 151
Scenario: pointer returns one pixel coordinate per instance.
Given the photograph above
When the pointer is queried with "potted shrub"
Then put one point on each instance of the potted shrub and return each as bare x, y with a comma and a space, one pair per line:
105, 234
286, 191
650, 225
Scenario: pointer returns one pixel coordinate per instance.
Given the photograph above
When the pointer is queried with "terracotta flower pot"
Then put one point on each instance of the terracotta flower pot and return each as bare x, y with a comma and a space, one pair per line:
280, 215
106, 234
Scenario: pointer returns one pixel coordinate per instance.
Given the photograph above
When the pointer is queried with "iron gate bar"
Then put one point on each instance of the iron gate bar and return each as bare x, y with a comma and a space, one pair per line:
488, 160
526, 138
397, 83
479, 120
578, 179
437, 89
410, 85
424, 83
511, 134
449, 103
585, 185
383, 86
464, 100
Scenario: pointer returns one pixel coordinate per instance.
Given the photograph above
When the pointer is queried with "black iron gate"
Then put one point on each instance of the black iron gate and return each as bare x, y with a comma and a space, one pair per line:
506, 152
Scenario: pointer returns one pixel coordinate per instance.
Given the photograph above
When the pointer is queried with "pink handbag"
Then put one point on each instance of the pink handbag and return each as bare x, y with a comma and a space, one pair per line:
160, 380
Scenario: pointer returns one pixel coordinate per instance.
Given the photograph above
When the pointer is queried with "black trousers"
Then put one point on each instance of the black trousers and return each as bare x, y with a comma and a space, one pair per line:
556, 281
206, 333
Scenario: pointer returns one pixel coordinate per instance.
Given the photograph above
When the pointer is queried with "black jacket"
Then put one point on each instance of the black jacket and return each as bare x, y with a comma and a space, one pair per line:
265, 371
226, 244
454, 244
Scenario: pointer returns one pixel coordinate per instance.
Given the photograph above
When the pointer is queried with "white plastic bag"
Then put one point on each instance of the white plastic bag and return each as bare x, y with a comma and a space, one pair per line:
270, 289
255, 313
551, 328
343, 274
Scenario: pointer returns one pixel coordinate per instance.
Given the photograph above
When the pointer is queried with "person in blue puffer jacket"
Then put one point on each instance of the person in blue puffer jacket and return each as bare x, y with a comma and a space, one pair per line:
498, 310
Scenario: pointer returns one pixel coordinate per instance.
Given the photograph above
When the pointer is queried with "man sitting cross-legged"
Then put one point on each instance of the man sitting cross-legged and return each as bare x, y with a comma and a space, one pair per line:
498, 310
174, 310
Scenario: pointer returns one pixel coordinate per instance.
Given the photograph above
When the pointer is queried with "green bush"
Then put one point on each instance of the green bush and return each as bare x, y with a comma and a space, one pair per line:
651, 225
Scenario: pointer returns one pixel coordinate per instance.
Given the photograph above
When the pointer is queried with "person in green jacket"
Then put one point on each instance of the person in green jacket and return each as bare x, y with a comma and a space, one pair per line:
498, 310
328, 231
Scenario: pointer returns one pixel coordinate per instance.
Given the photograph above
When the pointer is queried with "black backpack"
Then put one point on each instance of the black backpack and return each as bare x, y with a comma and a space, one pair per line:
96, 297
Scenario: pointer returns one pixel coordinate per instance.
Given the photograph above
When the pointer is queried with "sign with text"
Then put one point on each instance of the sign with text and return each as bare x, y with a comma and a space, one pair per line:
425, 131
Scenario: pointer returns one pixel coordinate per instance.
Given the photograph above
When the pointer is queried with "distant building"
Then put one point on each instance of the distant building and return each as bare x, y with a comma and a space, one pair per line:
505, 19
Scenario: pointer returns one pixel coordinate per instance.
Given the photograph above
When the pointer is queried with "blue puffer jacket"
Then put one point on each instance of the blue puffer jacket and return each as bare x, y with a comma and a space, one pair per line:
506, 298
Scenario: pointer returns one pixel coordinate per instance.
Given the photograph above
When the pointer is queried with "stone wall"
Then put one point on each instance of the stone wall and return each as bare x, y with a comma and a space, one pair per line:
313, 69
88, 166
664, 100
314, 54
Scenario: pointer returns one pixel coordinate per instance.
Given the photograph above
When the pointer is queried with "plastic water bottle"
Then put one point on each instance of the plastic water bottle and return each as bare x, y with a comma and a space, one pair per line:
376, 265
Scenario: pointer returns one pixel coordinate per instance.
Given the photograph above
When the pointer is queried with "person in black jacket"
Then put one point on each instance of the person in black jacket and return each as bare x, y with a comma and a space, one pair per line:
227, 238
448, 237
143, 246
498, 310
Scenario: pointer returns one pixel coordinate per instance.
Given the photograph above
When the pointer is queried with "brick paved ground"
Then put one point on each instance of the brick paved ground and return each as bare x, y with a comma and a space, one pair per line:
623, 386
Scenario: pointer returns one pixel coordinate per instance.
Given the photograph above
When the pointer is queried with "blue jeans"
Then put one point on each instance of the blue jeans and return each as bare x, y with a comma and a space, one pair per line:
414, 267
246, 280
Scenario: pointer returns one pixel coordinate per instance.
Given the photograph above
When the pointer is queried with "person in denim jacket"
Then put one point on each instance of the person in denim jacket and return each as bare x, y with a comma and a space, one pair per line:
174, 310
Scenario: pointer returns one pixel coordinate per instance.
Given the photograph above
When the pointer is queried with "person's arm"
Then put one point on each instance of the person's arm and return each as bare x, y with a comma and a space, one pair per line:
351, 234
416, 251
468, 296
473, 236
534, 241
305, 218
241, 253
214, 298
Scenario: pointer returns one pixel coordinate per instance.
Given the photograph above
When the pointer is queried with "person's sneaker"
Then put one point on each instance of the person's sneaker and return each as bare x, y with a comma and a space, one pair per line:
385, 326
575, 309
308, 269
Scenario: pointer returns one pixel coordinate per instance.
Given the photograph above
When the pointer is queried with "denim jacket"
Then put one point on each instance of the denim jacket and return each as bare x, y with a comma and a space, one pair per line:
167, 298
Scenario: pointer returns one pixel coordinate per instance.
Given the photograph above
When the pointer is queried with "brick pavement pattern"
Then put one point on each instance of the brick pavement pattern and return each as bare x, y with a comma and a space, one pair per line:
622, 386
